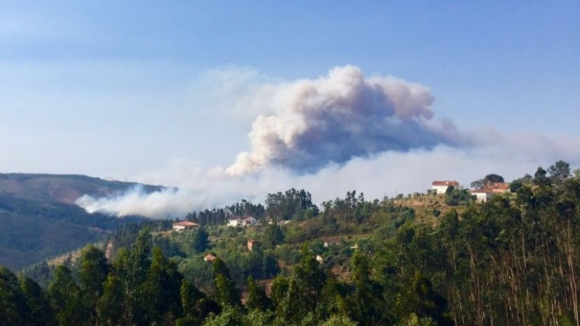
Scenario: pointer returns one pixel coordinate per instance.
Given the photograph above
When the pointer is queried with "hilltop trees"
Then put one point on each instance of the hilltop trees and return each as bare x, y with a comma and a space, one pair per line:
454, 197
559, 171
488, 179
291, 205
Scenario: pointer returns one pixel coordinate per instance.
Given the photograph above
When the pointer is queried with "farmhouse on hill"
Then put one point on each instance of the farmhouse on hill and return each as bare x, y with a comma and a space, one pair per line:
241, 221
440, 187
484, 194
184, 225
330, 241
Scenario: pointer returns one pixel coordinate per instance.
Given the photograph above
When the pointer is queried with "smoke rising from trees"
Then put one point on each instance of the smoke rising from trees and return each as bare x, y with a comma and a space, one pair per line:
334, 134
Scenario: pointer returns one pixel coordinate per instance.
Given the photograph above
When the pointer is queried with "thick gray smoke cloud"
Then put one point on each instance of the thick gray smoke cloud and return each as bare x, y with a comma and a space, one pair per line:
379, 132
338, 117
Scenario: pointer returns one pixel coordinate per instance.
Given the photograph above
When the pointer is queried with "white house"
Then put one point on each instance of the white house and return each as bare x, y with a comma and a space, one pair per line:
440, 187
490, 190
482, 195
184, 225
330, 241
247, 221
235, 221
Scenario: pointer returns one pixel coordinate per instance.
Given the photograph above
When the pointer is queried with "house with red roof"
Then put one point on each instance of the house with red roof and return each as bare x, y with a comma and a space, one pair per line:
440, 187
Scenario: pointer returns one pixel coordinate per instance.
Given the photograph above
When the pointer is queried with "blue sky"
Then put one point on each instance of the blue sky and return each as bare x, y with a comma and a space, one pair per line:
129, 88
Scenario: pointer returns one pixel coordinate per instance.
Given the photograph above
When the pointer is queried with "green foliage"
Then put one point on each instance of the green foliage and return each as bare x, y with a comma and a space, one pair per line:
227, 292
455, 197
273, 235
110, 307
559, 171
414, 320
92, 273
292, 205
339, 320
12, 301
257, 299
219, 216
516, 185
162, 289
540, 178
38, 308
201, 240
65, 299
196, 305
41, 273
487, 180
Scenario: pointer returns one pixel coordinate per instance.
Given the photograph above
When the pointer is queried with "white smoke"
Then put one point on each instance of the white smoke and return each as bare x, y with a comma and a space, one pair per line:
167, 203
389, 173
339, 133
338, 117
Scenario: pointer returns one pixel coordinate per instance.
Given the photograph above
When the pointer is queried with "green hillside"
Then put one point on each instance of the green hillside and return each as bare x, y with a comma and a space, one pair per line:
38, 218
423, 259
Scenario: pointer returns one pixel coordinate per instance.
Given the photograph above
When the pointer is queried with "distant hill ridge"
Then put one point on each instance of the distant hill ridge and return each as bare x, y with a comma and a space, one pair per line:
39, 220
63, 188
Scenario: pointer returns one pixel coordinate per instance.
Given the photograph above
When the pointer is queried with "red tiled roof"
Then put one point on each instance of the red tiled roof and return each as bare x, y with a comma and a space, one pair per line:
209, 257
446, 183
480, 191
499, 185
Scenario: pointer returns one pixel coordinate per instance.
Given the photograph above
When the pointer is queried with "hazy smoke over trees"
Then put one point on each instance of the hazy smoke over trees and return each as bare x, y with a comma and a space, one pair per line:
379, 131
338, 117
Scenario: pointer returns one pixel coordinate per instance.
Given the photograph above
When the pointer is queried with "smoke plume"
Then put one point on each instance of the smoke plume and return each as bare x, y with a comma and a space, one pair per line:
338, 117
334, 134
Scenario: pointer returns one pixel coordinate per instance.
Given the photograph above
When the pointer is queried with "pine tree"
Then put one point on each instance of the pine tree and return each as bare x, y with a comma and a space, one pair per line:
227, 292
39, 310
13, 307
111, 307
201, 240
92, 273
65, 299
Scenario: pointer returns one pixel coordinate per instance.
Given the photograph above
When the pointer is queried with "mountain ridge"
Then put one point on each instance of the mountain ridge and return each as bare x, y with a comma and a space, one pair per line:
39, 218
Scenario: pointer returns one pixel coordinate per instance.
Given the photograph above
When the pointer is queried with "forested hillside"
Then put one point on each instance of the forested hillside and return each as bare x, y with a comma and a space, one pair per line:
38, 218
510, 261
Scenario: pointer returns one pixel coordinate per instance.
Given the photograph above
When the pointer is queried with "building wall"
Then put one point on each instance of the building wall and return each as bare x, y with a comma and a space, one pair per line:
440, 189
482, 196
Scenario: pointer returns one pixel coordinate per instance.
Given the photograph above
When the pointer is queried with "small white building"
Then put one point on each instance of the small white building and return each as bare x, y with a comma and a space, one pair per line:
248, 221
239, 221
235, 221
184, 225
482, 195
440, 187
